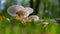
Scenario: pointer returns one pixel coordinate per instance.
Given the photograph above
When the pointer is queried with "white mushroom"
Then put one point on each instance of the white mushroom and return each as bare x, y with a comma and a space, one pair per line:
34, 17
45, 23
13, 9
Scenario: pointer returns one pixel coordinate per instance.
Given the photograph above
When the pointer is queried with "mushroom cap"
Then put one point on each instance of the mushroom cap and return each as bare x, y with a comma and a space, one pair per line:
45, 23
29, 10
13, 9
34, 17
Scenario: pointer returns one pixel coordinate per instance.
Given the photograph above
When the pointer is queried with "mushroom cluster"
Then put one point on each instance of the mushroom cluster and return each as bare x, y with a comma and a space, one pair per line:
21, 13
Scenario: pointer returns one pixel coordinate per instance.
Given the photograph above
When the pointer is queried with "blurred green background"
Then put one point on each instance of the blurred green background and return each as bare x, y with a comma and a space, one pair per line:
45, 9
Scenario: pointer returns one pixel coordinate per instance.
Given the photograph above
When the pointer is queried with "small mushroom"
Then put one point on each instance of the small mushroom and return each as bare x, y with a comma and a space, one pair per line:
33, 17
45, 23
